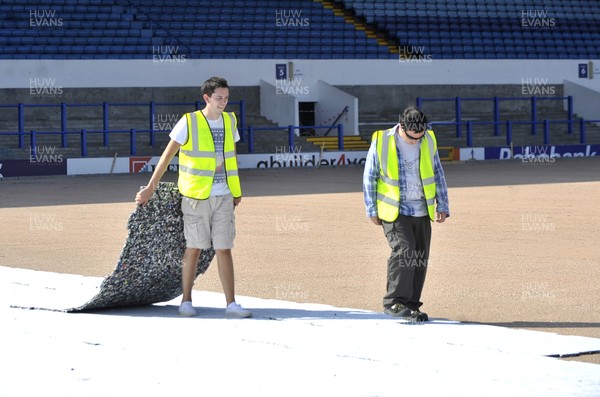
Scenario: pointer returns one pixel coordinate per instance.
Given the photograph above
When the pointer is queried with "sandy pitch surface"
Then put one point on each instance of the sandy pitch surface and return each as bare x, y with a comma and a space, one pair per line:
519, 250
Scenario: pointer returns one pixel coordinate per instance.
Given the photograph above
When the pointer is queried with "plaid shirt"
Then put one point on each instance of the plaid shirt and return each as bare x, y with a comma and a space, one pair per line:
372, 172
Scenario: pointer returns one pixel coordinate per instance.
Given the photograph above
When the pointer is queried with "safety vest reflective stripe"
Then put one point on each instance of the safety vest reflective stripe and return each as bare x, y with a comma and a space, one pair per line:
389, 180
387, 200
199, 154
384, 153
429, 180
194, 171
229, 154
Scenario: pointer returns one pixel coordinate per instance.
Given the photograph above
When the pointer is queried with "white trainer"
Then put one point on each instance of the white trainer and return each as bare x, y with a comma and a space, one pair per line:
234, 310
186, 309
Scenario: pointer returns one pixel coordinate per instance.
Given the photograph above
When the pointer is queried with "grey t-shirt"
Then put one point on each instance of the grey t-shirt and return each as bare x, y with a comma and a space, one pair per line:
220, 180
413, 195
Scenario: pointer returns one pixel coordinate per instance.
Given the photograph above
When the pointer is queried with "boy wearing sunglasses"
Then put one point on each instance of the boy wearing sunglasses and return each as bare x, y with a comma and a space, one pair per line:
404, 191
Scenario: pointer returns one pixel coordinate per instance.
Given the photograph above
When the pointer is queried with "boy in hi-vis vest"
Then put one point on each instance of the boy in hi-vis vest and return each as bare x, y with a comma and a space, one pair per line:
404, 191
210, 185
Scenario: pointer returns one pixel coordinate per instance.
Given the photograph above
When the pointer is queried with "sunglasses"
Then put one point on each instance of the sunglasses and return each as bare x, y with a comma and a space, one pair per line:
409, 136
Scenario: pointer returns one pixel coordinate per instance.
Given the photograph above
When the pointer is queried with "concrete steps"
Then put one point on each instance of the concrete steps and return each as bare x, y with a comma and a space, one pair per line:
354, 142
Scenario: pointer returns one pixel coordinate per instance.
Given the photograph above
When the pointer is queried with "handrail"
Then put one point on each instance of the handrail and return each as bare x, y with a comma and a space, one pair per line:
344, 110
106, 106
509, 124
496, 109
133, 135
291, 134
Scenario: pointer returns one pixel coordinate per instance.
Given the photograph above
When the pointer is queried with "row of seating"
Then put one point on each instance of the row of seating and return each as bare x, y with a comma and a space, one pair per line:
313, 41
35, 28
33, 33
508, 42
373, 16
209, 55
232, 49
65, 2
523, 4
310, 55
69, 41
36, 10
510, 36
298, 35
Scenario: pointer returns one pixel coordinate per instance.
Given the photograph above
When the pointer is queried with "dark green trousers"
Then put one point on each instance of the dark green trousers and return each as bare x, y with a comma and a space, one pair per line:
409, 238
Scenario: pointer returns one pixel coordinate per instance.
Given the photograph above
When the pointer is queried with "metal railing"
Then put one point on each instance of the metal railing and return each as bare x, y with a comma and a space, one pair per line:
509, 128
496, 109
133, 134
106, 106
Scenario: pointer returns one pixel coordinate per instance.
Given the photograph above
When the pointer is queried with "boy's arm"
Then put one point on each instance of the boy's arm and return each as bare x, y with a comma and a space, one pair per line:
370, 176
144, 195
441, 189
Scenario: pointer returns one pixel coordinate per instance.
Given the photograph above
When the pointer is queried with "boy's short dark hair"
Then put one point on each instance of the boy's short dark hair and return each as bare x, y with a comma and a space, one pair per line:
210, 85
414, 119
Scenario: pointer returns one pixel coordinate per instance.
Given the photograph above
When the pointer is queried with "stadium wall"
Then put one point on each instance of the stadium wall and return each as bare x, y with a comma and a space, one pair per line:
192, 72
43, 165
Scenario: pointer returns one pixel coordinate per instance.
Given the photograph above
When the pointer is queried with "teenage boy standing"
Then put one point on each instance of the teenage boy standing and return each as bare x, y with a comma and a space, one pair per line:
210, 185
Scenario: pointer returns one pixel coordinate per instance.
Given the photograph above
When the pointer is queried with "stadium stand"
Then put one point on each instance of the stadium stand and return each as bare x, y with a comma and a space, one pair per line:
322, 29
138, 29
489, 29
352, 29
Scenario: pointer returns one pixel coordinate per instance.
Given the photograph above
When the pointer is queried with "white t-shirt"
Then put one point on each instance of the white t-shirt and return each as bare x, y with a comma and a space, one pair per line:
180, 135
414, 196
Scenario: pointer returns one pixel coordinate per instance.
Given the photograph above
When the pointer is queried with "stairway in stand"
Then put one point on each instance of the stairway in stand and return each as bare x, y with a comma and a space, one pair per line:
382, 37
353, 142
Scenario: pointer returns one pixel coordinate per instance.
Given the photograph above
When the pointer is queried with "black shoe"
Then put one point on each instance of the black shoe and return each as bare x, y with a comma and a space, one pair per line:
397, 310
419, 316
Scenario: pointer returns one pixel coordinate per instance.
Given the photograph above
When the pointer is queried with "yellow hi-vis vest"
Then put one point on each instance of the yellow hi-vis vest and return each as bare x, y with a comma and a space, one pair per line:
198, 159
388, 184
